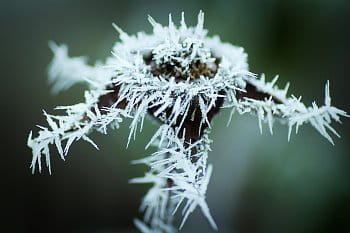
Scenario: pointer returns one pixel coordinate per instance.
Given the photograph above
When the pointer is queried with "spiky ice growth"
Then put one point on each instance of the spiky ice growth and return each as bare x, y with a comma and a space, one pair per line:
182, 78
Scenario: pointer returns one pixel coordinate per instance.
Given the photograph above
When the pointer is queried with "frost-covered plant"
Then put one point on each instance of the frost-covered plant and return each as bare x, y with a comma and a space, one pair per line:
182, 78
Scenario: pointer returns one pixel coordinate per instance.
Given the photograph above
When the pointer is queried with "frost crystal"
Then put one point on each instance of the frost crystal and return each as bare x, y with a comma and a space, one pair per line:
182, 78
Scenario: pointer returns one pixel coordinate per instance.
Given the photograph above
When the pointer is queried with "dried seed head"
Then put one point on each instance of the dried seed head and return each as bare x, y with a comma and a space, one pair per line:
182, 77
175, 69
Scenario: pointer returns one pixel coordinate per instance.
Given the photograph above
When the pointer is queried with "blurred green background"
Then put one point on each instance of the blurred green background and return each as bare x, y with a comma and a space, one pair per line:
261, 183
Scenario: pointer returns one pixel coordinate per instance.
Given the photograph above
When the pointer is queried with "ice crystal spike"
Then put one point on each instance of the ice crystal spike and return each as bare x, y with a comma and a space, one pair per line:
182, 78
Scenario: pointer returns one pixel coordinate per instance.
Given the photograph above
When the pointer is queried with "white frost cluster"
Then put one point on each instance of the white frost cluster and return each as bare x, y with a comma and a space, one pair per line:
178, 179
190, 180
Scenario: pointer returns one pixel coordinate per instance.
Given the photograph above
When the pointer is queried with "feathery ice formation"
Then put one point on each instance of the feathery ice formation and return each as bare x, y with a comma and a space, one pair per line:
182, 78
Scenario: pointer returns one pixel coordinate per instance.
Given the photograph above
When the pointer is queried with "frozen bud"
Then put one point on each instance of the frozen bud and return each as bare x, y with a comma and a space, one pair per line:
181, 77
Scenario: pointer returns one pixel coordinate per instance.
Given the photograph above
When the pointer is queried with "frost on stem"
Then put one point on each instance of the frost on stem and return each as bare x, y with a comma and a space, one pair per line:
182, 78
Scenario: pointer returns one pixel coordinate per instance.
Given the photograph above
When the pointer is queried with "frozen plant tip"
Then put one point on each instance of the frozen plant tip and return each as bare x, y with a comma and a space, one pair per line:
182, 78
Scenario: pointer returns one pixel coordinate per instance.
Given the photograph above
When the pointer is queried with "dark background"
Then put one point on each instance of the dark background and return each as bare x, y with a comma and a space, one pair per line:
261, 183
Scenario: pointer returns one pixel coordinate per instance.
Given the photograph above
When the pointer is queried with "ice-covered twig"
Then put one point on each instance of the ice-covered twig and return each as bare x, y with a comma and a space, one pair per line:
78, 122
270, 103
185, 167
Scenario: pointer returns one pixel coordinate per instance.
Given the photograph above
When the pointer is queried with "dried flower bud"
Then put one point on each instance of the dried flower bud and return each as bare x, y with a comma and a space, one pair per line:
183, 78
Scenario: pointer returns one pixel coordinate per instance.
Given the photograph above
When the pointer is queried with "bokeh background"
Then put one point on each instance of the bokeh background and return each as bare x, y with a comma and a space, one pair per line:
261, 183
